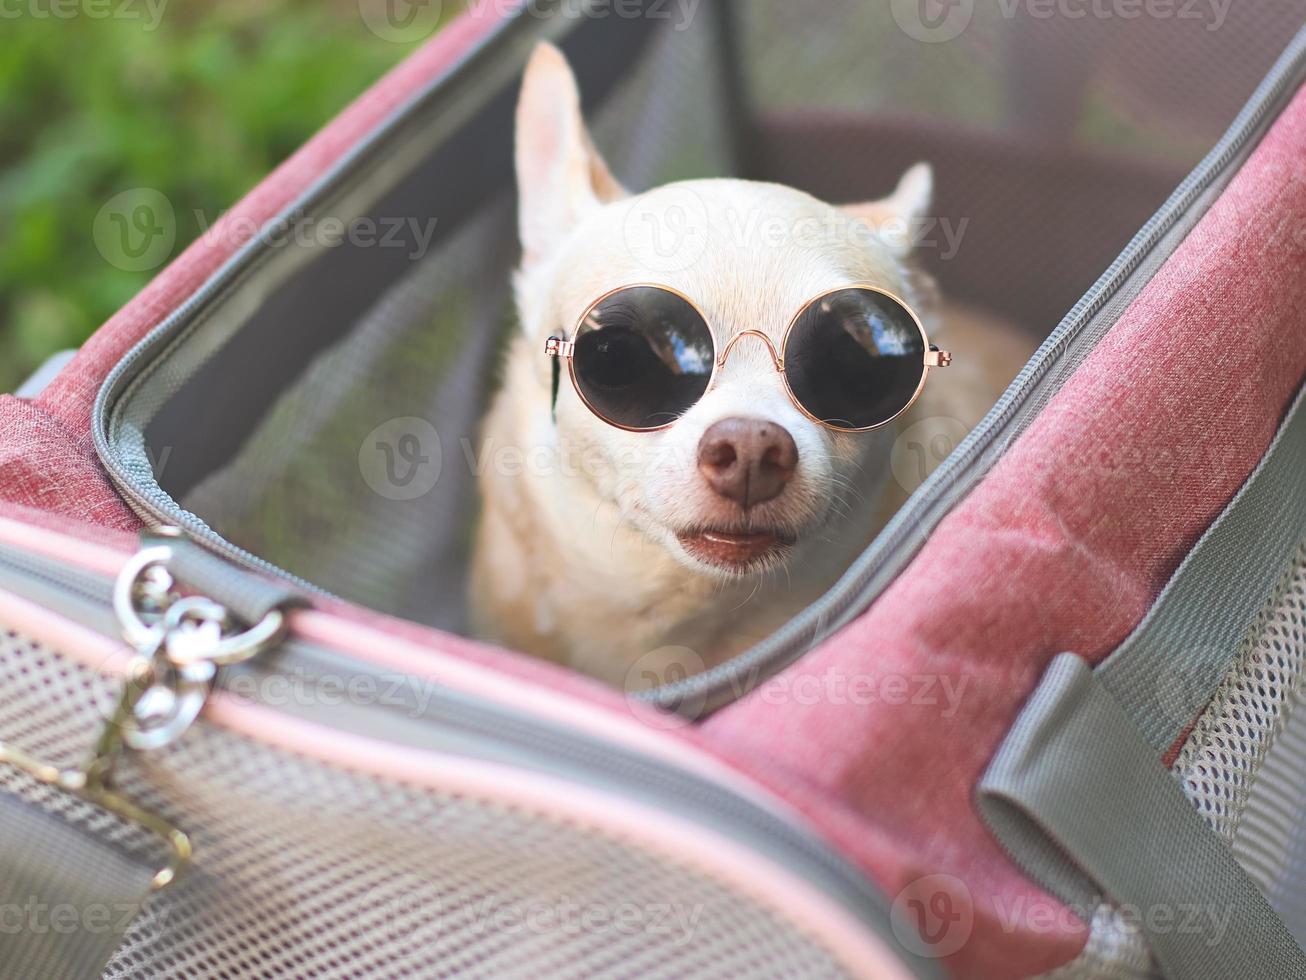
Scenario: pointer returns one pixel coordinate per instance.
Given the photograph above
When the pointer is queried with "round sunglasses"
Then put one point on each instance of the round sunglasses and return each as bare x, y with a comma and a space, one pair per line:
853, 358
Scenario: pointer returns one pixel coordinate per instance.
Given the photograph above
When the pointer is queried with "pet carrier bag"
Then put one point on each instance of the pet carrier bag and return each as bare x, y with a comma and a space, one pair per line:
1052, 722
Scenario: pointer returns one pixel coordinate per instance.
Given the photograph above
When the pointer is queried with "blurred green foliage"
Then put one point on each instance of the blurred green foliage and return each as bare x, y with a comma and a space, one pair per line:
199, 102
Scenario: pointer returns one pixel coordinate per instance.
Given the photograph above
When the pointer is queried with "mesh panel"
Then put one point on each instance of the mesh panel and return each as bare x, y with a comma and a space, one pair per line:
1055, 129
296, 493
1244, 764
395, 882
1229, 743
311, 511
1072, 72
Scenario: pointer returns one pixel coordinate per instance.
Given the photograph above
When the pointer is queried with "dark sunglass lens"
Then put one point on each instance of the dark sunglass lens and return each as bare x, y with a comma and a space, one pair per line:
643, 356
854, 358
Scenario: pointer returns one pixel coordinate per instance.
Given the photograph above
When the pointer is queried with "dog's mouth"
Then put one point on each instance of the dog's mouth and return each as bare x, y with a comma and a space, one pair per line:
735, 550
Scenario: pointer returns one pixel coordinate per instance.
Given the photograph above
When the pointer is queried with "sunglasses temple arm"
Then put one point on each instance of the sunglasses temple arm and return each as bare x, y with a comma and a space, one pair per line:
557, 349
937, 358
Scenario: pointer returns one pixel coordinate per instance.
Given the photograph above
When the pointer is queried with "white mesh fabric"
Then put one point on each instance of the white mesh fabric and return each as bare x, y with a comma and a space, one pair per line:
1244, 765
305, 870
1229, 742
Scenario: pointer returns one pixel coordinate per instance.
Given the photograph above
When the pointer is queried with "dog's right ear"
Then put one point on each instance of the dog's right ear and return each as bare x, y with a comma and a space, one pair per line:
560, 176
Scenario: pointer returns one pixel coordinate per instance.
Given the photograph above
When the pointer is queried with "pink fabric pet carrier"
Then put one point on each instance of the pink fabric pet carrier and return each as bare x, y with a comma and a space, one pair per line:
1052, 722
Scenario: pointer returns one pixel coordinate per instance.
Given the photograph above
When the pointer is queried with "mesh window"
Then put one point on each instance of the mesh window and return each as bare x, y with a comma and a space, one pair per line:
396, 882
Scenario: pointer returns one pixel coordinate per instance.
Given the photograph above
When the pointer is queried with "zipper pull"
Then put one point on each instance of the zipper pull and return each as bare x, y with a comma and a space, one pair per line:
180, 641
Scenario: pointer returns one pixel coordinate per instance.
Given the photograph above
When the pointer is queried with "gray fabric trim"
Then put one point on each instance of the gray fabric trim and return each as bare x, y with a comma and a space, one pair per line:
1168, 668
248, 596
1075, 781
66, 899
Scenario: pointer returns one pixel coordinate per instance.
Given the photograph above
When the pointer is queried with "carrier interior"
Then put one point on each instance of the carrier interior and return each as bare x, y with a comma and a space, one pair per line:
1054, 137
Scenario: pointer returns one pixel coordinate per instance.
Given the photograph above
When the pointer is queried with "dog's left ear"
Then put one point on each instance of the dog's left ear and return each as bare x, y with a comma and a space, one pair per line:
897, 216
560, 176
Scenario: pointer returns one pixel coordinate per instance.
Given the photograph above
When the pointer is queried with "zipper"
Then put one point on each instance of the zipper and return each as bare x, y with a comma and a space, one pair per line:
897, 543
454, 722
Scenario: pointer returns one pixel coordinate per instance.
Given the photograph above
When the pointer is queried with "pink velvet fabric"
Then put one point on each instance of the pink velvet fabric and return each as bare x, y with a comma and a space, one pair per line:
1062, 547
48, 467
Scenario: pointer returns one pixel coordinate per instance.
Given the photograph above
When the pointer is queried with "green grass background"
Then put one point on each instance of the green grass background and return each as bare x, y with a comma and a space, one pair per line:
200, 108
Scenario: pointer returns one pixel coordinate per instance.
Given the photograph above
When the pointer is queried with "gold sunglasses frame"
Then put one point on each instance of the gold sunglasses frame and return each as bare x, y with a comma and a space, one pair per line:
560, 347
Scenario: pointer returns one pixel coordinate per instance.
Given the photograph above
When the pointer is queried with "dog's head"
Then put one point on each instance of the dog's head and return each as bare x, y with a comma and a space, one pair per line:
743, 480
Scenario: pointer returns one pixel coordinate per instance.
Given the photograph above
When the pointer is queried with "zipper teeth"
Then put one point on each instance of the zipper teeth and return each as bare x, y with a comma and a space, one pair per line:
846, 596
79, 584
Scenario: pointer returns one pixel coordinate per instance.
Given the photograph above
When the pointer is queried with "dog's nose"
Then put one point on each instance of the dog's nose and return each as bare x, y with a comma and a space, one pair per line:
748, 461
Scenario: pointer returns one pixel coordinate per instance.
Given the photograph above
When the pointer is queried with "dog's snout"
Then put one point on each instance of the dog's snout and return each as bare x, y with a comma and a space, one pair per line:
748, 461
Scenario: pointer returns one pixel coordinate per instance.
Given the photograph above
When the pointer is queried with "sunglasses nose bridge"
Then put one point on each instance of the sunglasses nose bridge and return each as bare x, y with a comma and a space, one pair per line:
776, 357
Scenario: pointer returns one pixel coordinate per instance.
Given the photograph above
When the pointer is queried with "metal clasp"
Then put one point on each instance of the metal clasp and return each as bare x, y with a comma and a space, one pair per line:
937, 358
557, 347
180, 641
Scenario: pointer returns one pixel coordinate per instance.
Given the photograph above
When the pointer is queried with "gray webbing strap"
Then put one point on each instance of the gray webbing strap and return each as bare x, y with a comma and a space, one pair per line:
1167, 669
66, 898
1079, 795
